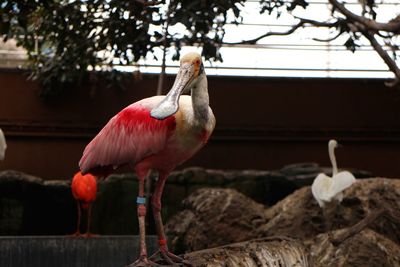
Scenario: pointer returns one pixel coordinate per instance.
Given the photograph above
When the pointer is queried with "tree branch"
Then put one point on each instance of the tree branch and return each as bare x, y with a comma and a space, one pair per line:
385, 56
301, 23
343, 235
149, 3
329, 39
273, 251
384, 211
391, 26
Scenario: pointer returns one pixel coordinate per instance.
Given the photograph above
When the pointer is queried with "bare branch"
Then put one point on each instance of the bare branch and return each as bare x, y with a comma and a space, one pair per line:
329, 39
385, 56
341, 236
391, 26
301, 23
149, 3
383, 212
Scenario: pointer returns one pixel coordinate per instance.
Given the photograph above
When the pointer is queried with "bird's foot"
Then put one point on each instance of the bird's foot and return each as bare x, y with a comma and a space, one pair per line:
163, 256
89, 234
143, 261
76, 234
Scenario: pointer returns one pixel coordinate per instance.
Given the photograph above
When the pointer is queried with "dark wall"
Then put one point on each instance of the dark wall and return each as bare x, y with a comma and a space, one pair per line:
262, 123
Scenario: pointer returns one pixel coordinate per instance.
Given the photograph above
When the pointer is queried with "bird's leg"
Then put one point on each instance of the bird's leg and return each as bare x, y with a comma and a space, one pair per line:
89, 219
163, 252
141, 212
78, 224
89, 222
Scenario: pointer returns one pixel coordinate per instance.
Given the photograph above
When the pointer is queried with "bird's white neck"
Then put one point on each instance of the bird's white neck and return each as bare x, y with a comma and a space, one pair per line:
331, 148
200, 100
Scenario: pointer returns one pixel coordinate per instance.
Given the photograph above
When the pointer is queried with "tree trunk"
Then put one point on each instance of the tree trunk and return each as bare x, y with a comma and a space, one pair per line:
273, 251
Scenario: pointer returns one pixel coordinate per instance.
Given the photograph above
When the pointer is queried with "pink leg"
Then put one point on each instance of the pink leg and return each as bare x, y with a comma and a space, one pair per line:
141, 211
156, 205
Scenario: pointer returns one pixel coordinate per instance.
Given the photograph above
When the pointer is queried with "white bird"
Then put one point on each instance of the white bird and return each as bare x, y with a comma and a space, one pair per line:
325, 188
3, 145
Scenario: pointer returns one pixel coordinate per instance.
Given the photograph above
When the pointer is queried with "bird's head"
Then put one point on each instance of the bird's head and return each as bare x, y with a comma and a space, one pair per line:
191, 68
332, 144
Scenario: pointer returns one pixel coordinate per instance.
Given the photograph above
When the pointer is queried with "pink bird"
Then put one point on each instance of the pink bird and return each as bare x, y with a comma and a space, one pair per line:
84, 188
156, 133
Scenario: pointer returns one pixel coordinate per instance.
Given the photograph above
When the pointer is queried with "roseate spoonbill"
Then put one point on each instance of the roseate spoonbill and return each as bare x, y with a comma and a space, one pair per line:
324, 188
3, 145
156, 133
84, 188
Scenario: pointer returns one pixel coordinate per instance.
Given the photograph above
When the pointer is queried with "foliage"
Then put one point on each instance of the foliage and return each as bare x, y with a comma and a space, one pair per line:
67, 39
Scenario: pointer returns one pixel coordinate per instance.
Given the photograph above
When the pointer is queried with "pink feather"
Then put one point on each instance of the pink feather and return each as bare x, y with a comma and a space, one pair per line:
128, 137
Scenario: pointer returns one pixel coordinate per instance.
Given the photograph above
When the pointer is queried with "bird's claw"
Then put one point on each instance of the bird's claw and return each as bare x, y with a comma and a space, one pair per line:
85, 235
143, 262
76, 234
89, 235
166, 257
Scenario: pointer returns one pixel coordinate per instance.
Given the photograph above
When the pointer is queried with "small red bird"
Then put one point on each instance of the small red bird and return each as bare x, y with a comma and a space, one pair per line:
84, 188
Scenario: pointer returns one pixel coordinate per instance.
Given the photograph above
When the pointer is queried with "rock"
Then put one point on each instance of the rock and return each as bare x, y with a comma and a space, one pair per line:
30, 206
114, 211
366, 248
16, 178
14, 188
299, 215
277, 251
60, 213
214, 217
255, 183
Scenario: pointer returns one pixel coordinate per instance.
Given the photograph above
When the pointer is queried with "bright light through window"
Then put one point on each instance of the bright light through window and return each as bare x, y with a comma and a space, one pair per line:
295, 55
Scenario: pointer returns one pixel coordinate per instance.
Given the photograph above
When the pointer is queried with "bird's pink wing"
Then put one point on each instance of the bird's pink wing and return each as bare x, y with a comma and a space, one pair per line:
128, 137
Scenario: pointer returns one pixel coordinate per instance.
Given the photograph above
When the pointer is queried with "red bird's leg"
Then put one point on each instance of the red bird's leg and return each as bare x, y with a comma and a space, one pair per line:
163, 252
89, 219
78, 224
89, 222
141, 211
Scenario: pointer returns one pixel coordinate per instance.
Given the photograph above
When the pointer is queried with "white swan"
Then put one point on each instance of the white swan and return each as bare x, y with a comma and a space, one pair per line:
3, 145
325, 188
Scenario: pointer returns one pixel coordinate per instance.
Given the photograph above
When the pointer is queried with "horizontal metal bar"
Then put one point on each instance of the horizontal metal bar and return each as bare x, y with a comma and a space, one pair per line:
326, 2
234, 133
264, 68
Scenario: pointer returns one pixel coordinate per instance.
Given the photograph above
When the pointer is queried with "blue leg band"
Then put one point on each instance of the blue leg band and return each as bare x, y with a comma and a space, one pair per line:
141, 200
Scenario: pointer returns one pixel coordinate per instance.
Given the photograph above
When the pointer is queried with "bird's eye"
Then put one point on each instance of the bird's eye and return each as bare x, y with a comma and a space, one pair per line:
197, 62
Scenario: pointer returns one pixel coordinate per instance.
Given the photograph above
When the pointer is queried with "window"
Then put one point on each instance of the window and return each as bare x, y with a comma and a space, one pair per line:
295, 55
